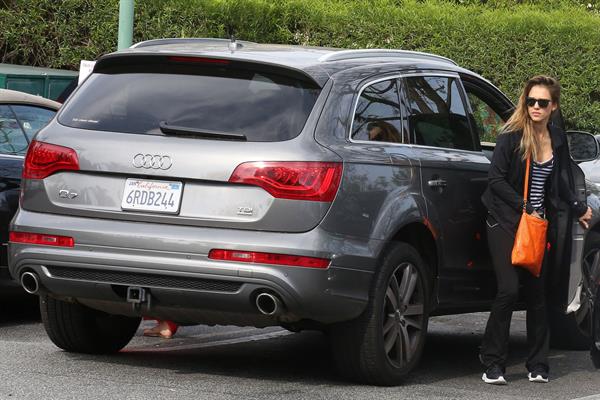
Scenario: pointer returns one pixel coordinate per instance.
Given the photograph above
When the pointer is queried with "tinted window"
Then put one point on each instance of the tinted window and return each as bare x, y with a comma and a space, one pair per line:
262, 106
33, 118
487, 121
12, 138
377, 116
438, 115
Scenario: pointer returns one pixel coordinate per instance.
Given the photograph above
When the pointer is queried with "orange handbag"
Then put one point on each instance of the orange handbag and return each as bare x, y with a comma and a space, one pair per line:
530, 240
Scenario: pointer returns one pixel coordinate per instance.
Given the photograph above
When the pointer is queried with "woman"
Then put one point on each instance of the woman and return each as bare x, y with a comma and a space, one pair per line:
528, 133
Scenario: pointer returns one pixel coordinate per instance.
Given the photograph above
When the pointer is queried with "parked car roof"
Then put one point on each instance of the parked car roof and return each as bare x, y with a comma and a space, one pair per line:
319, 63
14, 97
15, 69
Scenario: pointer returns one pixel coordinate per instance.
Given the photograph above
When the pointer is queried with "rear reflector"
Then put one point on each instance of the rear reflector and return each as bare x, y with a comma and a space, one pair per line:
42, 239
44, 159
295, 180
268, 258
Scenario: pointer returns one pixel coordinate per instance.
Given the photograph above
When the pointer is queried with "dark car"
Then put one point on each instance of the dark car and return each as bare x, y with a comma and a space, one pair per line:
210, 182
22, 115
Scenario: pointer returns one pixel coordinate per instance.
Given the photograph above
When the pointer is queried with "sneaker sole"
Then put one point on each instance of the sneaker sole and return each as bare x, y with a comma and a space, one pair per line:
537, 378
498, 381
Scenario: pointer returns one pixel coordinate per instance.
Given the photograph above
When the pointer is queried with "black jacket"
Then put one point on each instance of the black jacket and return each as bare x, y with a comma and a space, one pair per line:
504, 194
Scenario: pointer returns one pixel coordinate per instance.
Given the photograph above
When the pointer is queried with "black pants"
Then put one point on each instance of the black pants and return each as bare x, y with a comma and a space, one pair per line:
494, 349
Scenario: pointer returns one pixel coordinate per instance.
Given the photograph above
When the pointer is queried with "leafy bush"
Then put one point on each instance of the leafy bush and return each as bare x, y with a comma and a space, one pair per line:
506, 41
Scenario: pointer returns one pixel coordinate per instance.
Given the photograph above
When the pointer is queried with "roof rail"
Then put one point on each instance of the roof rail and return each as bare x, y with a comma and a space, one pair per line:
366, 53
206, 41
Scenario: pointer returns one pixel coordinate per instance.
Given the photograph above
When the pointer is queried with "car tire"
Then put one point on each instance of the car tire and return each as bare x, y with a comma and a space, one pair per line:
572, 331
385, 343
80, 329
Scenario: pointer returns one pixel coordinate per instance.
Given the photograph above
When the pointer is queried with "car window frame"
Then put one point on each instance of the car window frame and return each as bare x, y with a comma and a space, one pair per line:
490, 95
401, 108
463, 96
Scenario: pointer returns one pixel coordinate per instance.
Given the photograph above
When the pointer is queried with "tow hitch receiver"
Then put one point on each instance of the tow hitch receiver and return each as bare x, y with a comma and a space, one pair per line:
137, 296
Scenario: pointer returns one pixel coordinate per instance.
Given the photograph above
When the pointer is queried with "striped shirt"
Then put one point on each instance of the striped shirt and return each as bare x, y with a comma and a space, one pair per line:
539, 174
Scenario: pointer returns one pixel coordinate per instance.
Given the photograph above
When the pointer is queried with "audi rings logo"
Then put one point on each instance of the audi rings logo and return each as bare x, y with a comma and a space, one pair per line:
152, 161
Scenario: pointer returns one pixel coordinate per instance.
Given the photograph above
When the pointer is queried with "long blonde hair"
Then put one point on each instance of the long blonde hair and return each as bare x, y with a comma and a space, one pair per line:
520, 120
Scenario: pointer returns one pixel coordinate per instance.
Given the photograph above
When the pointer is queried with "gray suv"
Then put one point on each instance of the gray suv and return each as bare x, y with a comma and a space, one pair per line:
214, 182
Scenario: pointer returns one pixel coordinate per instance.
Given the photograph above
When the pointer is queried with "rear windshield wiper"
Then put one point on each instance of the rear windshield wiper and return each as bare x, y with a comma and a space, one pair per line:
205, 133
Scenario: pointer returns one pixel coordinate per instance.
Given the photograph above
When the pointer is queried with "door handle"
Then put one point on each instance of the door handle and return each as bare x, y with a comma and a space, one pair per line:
437, 183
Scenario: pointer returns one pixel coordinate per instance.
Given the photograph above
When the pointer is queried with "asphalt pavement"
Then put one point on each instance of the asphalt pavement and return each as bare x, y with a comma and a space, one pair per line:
203, 362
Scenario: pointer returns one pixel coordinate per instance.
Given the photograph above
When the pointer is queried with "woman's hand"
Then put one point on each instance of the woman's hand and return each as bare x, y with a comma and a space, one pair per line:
535, 214
583, 220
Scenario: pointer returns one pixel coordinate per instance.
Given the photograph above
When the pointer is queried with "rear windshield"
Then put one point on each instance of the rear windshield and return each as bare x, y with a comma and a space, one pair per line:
263, 106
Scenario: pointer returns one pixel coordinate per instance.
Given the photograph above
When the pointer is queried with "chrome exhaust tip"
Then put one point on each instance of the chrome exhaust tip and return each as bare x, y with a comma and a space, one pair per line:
268, 304
30, 282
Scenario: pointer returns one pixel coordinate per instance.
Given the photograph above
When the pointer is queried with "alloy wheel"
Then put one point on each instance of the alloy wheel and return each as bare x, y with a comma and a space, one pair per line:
403, 315
591, 277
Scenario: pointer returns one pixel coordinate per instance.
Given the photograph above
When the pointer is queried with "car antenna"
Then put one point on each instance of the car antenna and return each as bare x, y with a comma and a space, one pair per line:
232, 44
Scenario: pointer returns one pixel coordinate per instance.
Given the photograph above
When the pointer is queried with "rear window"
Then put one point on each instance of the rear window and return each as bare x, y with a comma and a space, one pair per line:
263, 106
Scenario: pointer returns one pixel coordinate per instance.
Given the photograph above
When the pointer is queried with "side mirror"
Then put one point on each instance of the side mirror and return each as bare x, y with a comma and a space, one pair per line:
583, 146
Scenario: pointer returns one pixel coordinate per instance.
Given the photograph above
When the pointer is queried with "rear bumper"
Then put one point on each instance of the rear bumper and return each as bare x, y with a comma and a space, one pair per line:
171, 263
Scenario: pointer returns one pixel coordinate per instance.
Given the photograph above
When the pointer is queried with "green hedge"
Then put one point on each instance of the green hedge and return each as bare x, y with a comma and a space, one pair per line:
504, 41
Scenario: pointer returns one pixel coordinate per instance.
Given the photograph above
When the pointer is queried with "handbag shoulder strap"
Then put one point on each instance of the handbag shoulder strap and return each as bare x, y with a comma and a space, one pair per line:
526, 184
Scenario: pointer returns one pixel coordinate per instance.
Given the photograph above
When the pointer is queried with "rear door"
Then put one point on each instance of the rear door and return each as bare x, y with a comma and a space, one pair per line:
453, 175
191, 141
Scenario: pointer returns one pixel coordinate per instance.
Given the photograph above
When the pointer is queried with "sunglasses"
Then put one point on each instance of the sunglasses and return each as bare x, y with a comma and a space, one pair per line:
543, 103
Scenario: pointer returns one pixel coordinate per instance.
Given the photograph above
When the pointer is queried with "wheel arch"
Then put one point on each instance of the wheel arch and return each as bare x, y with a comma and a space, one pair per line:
422, 236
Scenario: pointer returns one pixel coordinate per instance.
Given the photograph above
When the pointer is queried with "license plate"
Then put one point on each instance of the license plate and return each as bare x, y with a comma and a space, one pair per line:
155, 196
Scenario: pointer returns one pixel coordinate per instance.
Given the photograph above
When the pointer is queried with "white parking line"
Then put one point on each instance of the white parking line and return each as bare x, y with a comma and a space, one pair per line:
592, 397
221, 333
223, 342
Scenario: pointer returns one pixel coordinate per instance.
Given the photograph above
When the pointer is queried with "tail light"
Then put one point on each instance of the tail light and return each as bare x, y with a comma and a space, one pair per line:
42, 239
268, 258
311, 181
44, 159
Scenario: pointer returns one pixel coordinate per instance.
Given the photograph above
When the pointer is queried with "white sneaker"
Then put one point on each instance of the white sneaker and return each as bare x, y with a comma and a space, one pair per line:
537, 377
494, 376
